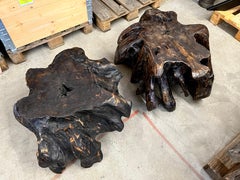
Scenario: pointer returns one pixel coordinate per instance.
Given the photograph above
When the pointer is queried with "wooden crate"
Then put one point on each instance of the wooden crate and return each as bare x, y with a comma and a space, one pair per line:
225, 165
42, 22
106, 11
231, 16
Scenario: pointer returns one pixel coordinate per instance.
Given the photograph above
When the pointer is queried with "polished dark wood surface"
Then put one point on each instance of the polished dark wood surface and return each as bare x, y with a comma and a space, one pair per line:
163, 52
70, 102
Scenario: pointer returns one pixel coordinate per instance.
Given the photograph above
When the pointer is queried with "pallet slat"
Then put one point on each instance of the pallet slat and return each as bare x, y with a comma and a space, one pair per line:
231, 16
115, 7
144, 1
131, 5
103, 15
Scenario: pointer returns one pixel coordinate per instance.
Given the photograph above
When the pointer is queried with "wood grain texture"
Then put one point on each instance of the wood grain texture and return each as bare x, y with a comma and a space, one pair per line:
115, 7
225, 165
163, 52
26, 24
70, 102
106, 11
55, 42
103, 12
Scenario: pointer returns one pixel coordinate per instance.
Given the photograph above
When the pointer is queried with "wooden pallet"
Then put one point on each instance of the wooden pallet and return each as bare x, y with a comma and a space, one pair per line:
106, 11
29, 23
226, 164
24, 26
231, 16
52, 41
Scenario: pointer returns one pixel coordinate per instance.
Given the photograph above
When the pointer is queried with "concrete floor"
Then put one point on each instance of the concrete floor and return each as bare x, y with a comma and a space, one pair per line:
157, 145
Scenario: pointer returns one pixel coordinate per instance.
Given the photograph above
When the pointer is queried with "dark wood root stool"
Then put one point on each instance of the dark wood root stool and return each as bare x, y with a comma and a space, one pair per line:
70, 102
161, 52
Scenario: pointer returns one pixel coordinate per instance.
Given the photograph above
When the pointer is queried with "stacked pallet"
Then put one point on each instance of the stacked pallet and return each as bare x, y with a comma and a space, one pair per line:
106, 11
231, 16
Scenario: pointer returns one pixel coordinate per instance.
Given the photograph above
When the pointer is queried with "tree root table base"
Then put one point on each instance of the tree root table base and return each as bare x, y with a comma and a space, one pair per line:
70, 102
162, 52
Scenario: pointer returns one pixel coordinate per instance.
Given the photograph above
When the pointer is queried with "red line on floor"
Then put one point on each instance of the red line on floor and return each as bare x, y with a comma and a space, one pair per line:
131, 116
56, 177
172, 147
99, 137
